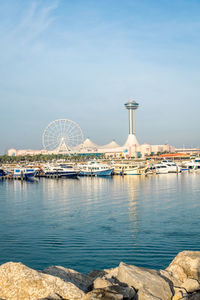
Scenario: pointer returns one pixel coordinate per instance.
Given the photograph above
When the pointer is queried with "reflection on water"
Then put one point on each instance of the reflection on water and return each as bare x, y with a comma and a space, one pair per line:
94, 223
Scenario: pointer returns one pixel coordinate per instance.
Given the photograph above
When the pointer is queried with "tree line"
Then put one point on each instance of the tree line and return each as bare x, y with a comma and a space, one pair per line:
47, 158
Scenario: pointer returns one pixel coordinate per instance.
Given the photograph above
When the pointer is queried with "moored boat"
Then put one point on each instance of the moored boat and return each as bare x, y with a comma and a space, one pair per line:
194, 165
158, 168
62, 170
2, 173
94, 168
172, 166
23, 173
129, 169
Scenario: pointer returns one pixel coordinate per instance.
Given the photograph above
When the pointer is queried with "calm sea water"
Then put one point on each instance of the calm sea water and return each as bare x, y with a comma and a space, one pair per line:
95, 223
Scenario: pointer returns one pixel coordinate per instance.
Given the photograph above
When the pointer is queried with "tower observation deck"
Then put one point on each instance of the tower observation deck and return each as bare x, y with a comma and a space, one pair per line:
132, 140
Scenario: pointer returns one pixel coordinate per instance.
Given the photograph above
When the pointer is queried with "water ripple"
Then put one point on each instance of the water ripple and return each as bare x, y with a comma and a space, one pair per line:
94, 223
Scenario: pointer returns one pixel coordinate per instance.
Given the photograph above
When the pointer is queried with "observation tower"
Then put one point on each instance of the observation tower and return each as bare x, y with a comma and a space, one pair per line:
132, 140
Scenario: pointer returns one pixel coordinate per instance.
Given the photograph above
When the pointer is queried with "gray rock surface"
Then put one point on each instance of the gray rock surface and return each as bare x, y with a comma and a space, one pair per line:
52, 297
114, 285
145, 279
195, 296
96, 273
103, 294
82, 281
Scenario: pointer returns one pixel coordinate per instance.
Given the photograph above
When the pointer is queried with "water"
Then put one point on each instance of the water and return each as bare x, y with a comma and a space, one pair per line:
94, 223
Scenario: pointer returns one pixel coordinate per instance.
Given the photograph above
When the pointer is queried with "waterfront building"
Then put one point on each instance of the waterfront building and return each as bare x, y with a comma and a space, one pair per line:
131, 148
191, 151
22, 152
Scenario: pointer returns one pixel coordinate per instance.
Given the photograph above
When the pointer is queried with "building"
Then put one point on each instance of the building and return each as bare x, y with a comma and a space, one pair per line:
131, 148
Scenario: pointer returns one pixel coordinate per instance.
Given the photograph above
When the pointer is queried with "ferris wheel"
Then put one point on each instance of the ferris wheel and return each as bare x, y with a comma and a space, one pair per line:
62, 136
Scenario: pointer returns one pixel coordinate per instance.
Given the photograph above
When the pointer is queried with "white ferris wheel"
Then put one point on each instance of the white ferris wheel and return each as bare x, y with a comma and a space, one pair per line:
62, 136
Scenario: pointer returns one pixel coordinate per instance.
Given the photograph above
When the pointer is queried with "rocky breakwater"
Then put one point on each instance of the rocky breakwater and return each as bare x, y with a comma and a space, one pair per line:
180, 280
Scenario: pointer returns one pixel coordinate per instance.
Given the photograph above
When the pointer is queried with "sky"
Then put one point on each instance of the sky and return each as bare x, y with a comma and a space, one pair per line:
83, 59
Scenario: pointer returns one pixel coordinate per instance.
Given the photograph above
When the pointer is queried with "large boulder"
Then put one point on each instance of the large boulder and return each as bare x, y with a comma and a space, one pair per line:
146, 280
83, 282
20, 282
186, 265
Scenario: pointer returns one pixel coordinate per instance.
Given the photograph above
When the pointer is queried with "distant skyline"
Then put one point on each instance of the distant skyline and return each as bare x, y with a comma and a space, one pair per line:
82, 60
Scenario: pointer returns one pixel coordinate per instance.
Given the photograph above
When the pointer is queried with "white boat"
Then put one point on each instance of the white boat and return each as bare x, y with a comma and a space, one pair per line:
94, 168
62, 170
128, 169
194, 165
158, 168
24, 173
172, 166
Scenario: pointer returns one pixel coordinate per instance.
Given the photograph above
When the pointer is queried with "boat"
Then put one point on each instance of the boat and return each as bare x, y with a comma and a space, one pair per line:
2, 173
172, 166
62, 170
23, 173
128, 169
158, 168
94, 168
194, 165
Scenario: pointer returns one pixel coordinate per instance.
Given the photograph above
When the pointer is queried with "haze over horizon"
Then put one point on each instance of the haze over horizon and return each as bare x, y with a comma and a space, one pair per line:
82, 60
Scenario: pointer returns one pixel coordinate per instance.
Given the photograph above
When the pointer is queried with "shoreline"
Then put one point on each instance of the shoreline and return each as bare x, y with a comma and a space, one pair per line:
180, 280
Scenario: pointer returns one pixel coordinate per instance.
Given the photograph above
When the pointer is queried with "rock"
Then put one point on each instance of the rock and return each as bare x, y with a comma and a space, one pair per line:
111, 272
195, 296
108, 273
186, 265
126, 291
101, 283
174, 283
180, 295
20, 282
146, 279
114, 285
103, 294
123, 289
82, 281
96, 273
191, 285
168, 276
52, 297
145, 295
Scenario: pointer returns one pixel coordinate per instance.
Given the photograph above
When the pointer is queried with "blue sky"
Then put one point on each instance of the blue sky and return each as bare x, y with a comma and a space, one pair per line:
83, 59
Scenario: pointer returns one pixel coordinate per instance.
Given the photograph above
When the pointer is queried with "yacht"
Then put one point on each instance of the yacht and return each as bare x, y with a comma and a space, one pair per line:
172, 166
94, 168
23, 173
128, 169
194, 165
160, 168
62, 170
